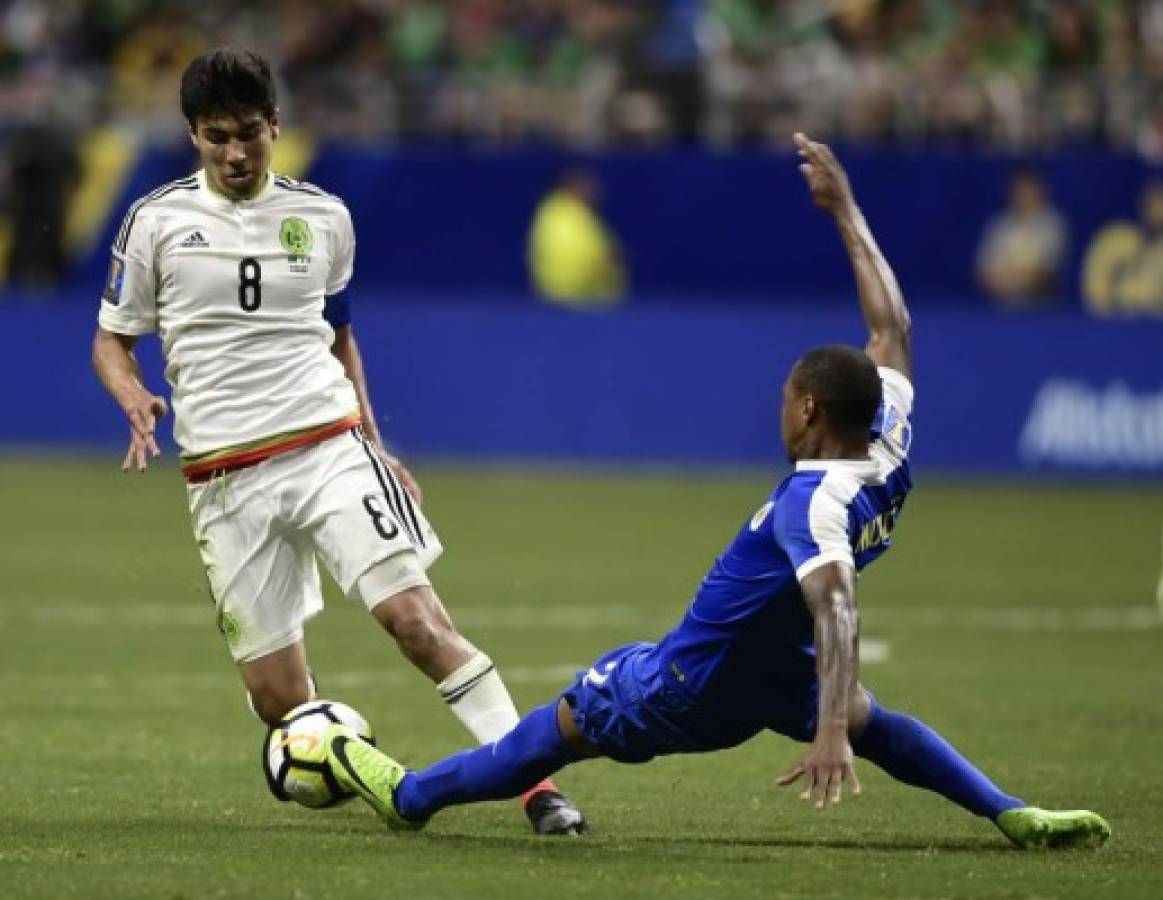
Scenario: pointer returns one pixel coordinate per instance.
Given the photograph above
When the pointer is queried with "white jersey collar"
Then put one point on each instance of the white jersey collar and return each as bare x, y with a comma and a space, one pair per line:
217, 199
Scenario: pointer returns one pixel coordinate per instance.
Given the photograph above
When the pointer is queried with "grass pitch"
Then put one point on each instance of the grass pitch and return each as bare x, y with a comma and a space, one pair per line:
1018, 620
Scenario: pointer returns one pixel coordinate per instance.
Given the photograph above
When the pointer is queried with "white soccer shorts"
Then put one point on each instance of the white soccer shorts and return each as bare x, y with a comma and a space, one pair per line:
260, 529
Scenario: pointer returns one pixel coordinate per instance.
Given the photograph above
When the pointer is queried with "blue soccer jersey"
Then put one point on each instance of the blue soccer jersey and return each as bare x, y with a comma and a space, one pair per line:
748, 629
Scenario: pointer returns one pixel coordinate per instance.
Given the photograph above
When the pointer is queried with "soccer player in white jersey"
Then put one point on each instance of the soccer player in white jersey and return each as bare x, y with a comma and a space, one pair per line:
243, 274
770, 641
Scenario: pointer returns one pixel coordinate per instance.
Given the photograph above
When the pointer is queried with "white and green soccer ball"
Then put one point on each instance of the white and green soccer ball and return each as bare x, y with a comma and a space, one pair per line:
295, 755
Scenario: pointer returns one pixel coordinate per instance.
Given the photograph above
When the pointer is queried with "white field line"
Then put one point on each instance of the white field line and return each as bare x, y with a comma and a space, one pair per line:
153, 615
391, 676
397, 676
561, 674
1023, 619
873, 651
50, 613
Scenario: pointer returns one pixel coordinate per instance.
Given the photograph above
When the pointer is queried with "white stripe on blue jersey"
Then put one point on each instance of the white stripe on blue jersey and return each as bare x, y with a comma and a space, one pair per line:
848, 514
749, 605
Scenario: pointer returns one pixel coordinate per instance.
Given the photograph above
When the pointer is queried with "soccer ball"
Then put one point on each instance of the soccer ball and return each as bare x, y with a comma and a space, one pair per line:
294, 756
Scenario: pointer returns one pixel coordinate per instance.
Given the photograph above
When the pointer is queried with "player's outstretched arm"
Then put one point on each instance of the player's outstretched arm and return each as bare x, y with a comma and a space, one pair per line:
117, 368
881, 300
830, 594
346, 350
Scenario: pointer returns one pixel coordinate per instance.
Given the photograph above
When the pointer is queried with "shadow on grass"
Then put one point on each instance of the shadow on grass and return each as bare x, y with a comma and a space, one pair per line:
246, 830
906, 845
718, 847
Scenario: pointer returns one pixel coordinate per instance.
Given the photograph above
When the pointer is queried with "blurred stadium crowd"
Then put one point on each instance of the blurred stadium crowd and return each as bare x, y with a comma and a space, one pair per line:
1004, 73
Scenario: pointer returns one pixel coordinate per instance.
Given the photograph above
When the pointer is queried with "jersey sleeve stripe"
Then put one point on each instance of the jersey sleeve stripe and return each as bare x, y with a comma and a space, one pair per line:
127, 222
190, 183
828, 517
303, 187
337, 310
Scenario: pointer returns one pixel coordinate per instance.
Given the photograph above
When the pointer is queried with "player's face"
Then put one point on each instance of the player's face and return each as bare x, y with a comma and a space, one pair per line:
235, 151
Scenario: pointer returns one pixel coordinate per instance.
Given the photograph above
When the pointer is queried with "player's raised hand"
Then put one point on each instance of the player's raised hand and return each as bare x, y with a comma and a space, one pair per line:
826, 765
143, 413
825, 176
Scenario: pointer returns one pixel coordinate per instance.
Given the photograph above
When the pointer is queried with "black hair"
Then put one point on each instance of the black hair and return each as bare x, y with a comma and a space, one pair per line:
844, 383
227, 82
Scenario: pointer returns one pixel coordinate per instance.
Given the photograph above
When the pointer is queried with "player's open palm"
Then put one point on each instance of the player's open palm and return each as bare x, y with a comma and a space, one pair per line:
827, 764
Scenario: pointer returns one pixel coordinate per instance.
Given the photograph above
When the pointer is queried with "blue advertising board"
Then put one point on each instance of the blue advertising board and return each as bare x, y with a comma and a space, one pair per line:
665, 382
710, 226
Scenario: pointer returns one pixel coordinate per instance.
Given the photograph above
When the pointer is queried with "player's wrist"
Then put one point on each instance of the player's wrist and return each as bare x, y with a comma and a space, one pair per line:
131, 395
845, 210
833, 726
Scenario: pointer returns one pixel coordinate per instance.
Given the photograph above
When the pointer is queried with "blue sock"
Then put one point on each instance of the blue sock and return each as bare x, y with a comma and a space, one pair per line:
530, 752
912, 752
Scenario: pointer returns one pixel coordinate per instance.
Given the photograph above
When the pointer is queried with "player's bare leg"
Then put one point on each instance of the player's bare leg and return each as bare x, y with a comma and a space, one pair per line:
470, 685
424, 632
278, 682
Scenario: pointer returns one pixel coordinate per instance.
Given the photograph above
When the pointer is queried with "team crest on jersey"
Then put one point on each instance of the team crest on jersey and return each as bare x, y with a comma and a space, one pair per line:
296, 238
115, 281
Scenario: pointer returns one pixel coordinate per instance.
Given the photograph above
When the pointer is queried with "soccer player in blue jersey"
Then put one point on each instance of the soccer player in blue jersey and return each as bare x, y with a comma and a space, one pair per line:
770, 640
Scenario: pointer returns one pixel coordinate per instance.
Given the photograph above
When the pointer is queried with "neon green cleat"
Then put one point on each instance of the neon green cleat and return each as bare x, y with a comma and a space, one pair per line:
1032, 828
361, 768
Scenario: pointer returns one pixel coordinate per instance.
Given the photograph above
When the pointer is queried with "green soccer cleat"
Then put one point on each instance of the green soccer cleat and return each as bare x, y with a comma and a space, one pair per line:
1031, 828
373, 775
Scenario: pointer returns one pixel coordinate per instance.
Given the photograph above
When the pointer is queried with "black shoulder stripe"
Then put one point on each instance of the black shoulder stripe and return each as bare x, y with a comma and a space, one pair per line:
182, 184
302, 187
141, 201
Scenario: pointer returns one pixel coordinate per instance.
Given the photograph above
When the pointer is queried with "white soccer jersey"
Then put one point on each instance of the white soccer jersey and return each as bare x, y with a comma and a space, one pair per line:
236, 291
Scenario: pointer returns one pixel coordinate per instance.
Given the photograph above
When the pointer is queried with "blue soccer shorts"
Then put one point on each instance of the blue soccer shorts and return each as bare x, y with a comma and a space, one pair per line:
627, 710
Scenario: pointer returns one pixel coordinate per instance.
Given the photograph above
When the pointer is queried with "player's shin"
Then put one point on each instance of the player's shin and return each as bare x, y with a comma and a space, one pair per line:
912, 752
530, 752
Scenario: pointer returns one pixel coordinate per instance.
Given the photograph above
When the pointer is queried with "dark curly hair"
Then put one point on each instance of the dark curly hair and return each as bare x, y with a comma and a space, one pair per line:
844, 383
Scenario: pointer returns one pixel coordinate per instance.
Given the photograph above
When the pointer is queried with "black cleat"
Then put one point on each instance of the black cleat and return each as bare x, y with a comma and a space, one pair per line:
552, 813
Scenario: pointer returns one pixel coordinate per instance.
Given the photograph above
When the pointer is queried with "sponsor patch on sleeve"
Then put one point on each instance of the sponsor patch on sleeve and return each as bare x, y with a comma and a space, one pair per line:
893, 424
115, 281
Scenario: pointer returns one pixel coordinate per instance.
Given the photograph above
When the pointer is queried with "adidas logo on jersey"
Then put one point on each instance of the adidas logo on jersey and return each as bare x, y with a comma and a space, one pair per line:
195, 240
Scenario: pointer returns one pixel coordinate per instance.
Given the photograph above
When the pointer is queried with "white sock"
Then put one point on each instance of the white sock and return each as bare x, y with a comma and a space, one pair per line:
477, 696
